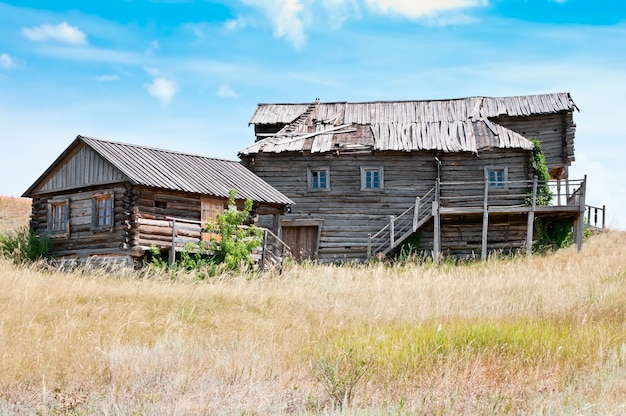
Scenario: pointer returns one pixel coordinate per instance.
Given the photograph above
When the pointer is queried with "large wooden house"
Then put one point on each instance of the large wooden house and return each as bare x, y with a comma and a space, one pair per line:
455, 175
116, 200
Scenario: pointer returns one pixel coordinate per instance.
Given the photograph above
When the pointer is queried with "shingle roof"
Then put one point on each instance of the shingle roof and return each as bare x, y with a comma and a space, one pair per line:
177, 171
419, 111
456, 125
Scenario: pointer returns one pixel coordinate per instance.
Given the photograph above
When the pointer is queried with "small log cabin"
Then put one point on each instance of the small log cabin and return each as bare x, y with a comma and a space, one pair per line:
114, 200
458, 172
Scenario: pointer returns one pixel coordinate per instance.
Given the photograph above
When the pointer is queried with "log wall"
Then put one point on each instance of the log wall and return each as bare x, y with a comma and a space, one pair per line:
82, 240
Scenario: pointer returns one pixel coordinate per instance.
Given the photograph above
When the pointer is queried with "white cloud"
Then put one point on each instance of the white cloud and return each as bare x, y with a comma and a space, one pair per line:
226, 92
340, 10
287, 18
291, 18
236, 24
62, 32
6, 62
106, 78
421, 8
163, 89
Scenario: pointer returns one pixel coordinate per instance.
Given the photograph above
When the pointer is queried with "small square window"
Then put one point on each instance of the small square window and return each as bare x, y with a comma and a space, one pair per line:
319, 178
497, 176
160, 204
372, 178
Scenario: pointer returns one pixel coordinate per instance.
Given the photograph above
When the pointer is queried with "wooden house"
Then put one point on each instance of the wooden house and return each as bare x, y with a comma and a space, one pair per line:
115, 200
455, 175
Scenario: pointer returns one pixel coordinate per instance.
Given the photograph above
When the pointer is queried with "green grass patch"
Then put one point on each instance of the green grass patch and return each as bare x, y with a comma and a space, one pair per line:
398, 351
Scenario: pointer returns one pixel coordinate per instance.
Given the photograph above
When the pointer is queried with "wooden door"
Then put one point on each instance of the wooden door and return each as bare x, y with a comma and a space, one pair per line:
303, 241
209, 209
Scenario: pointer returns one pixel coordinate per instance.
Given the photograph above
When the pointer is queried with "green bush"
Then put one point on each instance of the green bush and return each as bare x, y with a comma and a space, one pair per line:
540, 170
236, 242
552, 233
23, 246
232, 251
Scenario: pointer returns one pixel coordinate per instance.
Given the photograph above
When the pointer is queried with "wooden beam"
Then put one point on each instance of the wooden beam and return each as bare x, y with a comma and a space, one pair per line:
531, 219
436, 233
483, 254
580, 226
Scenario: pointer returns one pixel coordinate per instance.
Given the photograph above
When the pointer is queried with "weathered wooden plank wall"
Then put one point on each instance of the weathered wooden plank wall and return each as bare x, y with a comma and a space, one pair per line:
84, 168
556, 132
350, 214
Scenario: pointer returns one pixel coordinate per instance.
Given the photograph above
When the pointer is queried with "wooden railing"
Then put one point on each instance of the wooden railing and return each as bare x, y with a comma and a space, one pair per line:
595, 217
511, 193
481, 196
185, 232
402, 226
273, 252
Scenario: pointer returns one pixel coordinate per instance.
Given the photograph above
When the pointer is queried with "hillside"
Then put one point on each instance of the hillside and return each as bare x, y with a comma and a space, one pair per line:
540, 335
14, 213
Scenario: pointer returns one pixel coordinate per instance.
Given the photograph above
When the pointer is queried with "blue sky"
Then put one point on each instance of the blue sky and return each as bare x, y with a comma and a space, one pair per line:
187, 75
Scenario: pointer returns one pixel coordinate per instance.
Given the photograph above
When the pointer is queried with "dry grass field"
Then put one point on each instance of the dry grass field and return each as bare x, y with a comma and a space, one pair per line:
14, 213
540, 335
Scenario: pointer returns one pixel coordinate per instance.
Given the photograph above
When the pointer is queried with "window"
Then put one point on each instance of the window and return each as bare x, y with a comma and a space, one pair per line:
102, 214
319, 178
58, 217
160, 204
372, 178
497, 176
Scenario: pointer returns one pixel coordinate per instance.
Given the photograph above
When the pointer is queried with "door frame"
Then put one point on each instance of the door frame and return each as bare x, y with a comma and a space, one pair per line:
305, 222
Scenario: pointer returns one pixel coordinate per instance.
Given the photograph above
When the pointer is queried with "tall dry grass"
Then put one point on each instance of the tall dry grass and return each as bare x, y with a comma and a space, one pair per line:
545, 334
14, 213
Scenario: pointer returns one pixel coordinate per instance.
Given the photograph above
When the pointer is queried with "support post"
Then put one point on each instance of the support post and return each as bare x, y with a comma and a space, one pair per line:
263, 252
416, 213
580, 226
531, 219
603, 216
436, 232
392, 232
369, 245
172, 258
483, 254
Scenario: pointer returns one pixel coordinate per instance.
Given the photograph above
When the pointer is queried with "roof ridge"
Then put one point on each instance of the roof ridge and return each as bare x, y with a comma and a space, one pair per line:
157, 149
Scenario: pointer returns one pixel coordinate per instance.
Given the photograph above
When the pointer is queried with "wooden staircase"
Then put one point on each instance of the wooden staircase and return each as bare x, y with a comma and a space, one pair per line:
403, 226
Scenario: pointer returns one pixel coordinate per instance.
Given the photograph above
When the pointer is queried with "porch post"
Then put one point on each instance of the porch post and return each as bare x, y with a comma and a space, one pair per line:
483, 254
392, 232
436, 225
172, 258
580, 226
531, 219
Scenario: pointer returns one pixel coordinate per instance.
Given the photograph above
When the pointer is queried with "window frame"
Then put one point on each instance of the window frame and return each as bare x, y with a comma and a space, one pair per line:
109, 211
497, 185
381, 178
62, 218
311, 178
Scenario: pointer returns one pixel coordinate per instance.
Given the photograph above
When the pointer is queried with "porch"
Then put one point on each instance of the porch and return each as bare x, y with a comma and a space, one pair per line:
481, 200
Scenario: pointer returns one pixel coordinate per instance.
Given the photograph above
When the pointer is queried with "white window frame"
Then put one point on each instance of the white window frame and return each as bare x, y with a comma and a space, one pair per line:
497, 185
310, 176
59, 218
381, 178
108, 211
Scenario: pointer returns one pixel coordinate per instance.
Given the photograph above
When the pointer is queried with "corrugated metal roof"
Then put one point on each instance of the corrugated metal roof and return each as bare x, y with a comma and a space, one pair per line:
420, 111
177, 171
